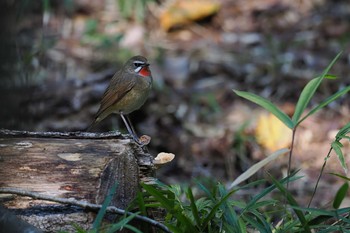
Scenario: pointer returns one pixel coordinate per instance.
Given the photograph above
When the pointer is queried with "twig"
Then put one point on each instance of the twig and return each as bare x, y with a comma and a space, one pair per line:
83, 204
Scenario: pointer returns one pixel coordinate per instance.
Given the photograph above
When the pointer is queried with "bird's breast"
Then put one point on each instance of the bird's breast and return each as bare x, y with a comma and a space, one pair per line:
136, 97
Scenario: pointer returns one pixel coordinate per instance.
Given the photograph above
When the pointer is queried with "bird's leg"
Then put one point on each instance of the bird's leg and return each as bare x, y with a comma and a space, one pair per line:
130, 128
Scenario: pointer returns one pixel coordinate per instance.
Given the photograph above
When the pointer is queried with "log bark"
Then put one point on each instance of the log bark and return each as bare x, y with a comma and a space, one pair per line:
75, 165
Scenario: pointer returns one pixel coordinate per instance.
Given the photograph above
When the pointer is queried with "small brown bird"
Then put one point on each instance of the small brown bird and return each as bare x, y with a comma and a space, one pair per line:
127, 91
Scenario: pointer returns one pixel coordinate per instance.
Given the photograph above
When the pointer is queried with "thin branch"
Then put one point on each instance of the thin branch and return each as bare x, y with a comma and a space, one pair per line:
83, 204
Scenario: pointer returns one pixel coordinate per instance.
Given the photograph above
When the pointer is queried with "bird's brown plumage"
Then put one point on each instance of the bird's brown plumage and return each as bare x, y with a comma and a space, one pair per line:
127, 91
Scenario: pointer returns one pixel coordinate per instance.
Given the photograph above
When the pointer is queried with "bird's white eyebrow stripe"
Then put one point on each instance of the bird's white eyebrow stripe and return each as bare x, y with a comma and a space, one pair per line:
139, 62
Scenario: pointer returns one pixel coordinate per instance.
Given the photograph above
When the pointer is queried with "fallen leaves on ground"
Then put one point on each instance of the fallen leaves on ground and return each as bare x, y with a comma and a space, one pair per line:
271, 133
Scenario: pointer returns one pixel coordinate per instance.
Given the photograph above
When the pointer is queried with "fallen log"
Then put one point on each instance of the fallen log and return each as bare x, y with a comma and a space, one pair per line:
78, 165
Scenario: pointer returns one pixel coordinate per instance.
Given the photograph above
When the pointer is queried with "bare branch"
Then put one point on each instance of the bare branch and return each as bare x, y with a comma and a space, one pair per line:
83, 204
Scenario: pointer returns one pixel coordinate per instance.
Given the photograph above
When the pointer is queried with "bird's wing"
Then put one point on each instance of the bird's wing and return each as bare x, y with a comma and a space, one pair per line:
111, 95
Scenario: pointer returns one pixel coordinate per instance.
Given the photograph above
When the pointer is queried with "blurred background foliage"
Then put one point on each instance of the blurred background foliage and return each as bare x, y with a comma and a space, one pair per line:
57, 58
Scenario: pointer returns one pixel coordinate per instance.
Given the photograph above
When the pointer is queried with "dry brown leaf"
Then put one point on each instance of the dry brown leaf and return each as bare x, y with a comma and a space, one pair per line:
183, 11
271, 133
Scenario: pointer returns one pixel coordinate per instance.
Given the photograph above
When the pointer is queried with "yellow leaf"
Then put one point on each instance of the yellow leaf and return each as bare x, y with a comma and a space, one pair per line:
271, 133
184, 11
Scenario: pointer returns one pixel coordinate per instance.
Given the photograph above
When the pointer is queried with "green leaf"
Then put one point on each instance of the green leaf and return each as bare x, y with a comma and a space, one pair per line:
305, 97
268, 106
330, 76
309, 91
256, 167
291, 202
326, 102
337, 148
341, 194
343, 131
340, 176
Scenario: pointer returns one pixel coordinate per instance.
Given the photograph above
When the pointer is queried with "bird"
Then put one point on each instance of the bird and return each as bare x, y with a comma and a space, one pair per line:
127, 91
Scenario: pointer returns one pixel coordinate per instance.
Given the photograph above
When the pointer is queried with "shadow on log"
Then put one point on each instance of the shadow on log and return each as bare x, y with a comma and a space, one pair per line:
75, 165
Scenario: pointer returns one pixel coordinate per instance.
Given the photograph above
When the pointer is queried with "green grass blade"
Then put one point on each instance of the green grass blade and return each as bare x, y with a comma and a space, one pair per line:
213, 211
340, 176
165, 202
141, 203
230, 215
341, 194
309, 91
292, 202
268, 190
132, 228
319, 216
268, 106
259, 223
171, 208
231, 218
122, 223
194, 207
204, 189
318, 211
174, 229
102, 211
326, 102
254, 223
78, 229
256, 167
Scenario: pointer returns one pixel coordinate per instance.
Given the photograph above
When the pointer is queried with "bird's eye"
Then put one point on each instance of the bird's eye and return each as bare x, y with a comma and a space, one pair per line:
138, 64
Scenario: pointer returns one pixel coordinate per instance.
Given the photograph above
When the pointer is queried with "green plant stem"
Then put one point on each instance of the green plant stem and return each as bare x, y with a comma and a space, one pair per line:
319, 176
290, 155
289, 168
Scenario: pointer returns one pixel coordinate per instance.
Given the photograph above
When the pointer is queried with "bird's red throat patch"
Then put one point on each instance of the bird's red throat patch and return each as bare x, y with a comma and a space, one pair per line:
145, 71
